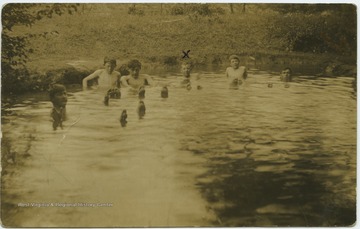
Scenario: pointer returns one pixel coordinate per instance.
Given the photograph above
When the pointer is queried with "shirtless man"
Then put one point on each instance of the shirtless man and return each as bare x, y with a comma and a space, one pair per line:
58, 98
187, 80
135, 79
107, 77
236, 74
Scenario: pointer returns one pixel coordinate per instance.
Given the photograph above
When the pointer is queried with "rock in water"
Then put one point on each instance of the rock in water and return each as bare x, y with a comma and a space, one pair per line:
141, 92
164, 92
141, 109
188, 86
123, 118
106, 100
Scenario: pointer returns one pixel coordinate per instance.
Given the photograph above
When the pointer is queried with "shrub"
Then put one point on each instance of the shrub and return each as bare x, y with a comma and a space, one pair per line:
199, 9
177, 10
320, 33
135, 11
170, 60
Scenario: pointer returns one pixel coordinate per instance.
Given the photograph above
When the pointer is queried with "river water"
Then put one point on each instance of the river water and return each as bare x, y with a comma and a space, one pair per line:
257, 156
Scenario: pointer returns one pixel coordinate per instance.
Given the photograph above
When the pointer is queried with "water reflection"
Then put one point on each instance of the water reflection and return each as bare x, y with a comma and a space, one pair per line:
279, 158
256, 156
247, 192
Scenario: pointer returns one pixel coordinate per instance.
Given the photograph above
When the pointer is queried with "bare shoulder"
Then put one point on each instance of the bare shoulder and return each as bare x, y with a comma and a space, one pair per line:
99, 71
228, 70
95, 74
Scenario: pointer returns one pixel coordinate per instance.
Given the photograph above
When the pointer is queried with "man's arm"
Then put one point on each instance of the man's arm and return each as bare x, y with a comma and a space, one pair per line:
115, 80
90, 77
124, 79
149, 80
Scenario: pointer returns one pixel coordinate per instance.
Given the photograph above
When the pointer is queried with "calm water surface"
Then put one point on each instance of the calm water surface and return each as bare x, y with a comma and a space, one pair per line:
257, 156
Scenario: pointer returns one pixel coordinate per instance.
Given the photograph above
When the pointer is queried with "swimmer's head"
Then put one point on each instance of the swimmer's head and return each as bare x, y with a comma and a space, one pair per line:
186, 68
286, 74
124, 70
286, 71
58, 96
234, 57
134, 67
110, 64
234, 61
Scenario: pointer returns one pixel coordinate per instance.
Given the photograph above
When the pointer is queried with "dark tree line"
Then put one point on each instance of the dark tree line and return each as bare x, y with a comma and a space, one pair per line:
15, 48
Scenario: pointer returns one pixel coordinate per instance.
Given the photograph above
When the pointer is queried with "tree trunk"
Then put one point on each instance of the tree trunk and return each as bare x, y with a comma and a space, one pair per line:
231, 8
243, 8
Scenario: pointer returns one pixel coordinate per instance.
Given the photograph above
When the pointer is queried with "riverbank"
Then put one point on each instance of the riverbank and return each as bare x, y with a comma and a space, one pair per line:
157, 35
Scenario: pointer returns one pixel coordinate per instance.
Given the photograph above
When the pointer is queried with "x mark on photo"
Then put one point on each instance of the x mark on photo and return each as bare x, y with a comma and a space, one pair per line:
186, 54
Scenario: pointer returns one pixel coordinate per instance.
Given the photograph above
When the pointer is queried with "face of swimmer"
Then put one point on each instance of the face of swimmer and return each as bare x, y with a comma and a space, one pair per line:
185, 70
109, 67
234, 63
60, 99
135, 72
286, 74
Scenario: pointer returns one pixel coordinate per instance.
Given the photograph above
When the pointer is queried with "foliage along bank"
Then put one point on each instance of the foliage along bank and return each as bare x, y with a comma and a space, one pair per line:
321, 34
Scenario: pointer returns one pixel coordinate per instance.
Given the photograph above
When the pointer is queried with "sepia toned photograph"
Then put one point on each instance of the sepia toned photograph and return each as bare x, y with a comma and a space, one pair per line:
178, 115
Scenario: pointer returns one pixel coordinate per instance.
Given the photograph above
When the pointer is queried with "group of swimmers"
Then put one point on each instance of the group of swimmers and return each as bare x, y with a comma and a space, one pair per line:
111, 80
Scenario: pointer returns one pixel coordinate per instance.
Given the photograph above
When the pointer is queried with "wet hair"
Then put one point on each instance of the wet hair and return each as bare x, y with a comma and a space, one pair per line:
112, 61
54, 89
124, 70
133, 64
234, 57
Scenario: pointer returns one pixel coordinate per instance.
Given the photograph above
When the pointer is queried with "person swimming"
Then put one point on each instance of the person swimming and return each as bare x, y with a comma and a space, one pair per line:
187, 80
286, 75
235, 74
58, 98
107, 77
135, 79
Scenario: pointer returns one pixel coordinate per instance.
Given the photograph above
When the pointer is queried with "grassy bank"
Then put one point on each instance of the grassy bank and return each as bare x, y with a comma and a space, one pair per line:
157, 34
109, 30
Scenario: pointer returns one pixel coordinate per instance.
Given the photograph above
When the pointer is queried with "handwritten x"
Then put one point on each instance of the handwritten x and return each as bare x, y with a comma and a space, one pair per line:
186, 54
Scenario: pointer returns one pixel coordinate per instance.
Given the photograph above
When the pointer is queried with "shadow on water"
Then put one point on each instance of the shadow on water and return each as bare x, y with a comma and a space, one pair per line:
241, 196
278, 182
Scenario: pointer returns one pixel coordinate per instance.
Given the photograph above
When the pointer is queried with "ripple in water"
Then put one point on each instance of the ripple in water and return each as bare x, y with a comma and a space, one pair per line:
257, 156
